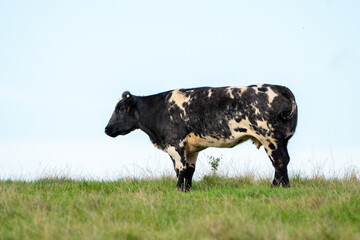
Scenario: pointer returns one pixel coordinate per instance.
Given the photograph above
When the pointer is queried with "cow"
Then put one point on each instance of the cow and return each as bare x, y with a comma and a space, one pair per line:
183, 122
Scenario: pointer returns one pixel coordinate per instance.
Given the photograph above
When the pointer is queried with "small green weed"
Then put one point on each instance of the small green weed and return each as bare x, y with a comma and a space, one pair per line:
214, 163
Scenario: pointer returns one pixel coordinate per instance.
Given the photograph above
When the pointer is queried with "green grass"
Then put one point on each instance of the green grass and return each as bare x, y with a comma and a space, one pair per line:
217, 208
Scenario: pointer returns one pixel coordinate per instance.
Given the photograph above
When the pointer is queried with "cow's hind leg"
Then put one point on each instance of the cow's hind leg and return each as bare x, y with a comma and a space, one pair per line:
279, 156
180, 182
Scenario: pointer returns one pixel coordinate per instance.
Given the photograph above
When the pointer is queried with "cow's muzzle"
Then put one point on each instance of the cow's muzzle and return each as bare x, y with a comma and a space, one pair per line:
109, 131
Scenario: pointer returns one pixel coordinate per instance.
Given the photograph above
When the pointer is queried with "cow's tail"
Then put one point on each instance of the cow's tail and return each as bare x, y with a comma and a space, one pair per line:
289, 111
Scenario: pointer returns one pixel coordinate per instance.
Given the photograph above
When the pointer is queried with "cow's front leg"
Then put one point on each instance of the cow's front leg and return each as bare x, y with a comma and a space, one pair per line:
190, 169
178, 157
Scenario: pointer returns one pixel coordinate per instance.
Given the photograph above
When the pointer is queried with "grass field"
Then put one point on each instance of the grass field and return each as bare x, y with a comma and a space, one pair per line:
217, 208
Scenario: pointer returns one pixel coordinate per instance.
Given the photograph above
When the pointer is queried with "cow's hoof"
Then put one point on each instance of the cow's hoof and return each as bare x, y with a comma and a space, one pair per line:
275, 183
181, 188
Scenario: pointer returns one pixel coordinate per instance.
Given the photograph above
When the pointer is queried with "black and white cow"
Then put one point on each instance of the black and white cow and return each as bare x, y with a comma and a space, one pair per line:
183, 122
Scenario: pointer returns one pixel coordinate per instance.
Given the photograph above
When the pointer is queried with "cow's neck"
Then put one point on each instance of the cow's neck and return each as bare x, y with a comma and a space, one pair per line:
150, 111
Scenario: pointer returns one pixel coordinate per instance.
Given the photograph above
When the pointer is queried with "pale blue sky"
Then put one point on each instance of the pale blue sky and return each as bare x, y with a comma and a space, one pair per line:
64, 64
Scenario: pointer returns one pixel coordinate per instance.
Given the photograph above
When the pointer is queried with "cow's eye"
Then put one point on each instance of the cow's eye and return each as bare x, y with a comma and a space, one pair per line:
120, 109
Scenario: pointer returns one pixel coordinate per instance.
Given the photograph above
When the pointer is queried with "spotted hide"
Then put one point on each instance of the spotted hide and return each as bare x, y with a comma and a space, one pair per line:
183, 122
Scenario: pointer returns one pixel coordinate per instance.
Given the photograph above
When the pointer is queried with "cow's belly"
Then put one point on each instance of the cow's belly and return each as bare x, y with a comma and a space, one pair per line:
195, 143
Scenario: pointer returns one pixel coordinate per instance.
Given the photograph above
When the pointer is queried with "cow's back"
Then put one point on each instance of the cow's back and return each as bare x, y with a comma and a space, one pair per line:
227, 116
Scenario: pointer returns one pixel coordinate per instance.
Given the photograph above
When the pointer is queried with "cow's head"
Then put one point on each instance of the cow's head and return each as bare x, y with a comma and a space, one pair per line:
125, 117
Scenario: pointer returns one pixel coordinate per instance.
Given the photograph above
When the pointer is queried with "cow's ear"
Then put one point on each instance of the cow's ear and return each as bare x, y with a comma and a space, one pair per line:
126, 95
128, 98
